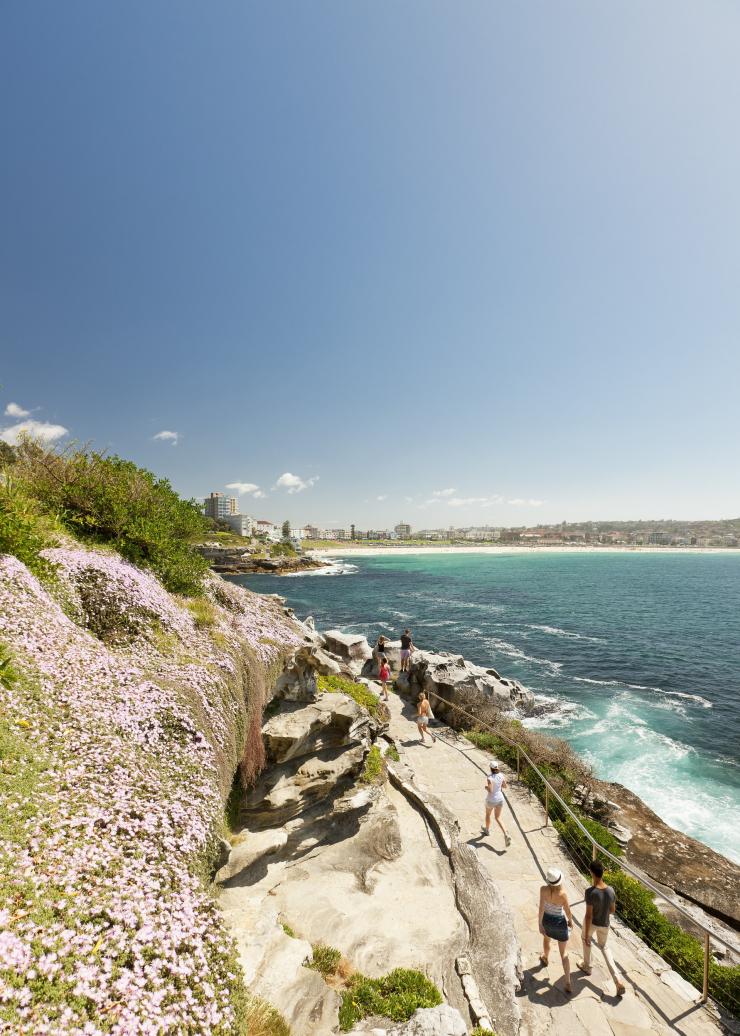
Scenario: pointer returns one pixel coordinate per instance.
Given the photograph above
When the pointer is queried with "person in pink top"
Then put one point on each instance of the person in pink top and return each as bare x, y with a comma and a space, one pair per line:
384, 676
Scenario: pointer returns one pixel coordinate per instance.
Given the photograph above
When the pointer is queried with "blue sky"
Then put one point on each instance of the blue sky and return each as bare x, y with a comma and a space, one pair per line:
388, 249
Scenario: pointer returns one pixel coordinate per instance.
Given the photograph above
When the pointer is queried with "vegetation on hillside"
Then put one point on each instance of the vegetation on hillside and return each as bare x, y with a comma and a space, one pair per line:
359, 692
99, 499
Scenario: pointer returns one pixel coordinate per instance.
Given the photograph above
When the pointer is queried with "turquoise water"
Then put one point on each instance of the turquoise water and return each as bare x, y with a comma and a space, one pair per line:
639, 653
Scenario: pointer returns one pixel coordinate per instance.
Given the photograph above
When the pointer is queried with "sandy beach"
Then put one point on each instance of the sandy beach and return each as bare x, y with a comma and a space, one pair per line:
356, 551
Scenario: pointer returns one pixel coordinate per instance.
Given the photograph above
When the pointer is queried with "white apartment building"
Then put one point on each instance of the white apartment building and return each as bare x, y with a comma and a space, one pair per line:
241, 524
268, 529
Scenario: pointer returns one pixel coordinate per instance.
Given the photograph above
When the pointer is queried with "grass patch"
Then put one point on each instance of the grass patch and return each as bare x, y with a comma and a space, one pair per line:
395, 996
203, 612
262, 1019
392, 753
288, 930
359, 692
373, 771
326, 959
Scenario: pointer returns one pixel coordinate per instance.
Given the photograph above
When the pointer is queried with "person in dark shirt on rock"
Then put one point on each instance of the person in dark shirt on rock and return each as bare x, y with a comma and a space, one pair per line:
601, 902
406, 648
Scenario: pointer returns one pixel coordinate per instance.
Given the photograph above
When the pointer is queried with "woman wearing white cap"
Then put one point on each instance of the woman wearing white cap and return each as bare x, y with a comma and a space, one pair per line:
495, 784
556, 920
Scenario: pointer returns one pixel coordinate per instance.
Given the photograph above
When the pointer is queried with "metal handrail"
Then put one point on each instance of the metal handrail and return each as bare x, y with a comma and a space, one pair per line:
549, 789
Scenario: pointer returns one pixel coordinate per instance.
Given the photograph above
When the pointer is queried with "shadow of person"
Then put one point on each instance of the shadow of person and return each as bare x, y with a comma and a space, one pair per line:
479, 842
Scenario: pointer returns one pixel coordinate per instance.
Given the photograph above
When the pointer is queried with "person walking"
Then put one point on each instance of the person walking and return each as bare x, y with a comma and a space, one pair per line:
406, 648
423, 715
555, 921
384, 675
495, 784
601, 903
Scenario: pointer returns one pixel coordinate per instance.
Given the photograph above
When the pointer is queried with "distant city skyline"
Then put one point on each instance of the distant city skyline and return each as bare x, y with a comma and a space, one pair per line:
438, 264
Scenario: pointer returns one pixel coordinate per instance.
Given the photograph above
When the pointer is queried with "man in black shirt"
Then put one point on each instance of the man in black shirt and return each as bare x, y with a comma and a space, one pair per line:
601, 902
406, 648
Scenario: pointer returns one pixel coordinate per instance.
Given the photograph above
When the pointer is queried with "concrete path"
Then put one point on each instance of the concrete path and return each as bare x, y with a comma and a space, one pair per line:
657, 999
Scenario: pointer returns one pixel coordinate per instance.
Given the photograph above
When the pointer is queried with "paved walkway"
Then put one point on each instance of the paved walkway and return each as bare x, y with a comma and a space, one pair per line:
657, 999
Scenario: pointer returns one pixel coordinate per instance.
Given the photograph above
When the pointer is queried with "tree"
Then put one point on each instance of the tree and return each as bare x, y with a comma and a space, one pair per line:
286, 530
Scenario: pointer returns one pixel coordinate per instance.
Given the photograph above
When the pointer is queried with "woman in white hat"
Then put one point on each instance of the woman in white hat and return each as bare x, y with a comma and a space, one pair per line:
495, 784
556, 920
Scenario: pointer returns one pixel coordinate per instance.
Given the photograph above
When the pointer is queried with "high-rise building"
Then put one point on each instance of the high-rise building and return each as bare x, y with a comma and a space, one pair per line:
242, 524
217, 505
403, 531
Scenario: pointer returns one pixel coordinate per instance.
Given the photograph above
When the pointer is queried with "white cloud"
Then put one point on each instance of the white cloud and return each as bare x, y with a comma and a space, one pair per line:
14, 410
42, 430
294, 483
243, 488
444, 492
259, 495
165, 436
383, 497
519, 501
467, 501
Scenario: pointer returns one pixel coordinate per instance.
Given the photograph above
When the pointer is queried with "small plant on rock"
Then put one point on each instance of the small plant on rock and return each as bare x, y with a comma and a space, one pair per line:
326, 959
359, 692
374, 769
395, 996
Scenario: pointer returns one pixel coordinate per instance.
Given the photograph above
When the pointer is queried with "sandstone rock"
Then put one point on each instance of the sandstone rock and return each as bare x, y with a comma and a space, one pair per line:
352, 647
451, 680
432, 1021
255, 846
332, 721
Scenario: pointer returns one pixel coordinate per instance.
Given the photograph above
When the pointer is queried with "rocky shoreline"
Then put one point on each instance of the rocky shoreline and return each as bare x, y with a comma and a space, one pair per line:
233, 561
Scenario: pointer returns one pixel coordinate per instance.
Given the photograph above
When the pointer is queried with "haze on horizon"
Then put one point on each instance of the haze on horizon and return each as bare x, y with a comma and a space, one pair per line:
445, 264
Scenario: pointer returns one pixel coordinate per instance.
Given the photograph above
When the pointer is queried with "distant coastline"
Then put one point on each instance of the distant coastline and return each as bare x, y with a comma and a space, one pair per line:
514, 548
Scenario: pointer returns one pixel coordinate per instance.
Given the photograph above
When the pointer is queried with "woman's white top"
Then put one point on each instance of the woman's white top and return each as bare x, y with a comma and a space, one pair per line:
493, 783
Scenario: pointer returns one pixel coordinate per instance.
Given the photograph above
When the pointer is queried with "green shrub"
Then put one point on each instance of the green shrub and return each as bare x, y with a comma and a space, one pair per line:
282, 550
374, 770
288, 930
681, 950
577, 842
359, 692
108, 500
9, 675
24, 531
395, 996
392, 753
325, 959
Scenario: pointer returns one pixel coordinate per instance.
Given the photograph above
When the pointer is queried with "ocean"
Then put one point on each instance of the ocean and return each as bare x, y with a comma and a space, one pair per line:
638, 653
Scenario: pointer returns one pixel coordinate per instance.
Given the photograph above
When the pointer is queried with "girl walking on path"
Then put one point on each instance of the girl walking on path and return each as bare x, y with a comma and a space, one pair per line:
495, 784
379, 650
423, 715
556, 921
384, 676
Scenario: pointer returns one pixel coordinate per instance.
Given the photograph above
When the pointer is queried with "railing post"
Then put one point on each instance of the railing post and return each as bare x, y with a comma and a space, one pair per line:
705, 987
518, 764
547, 805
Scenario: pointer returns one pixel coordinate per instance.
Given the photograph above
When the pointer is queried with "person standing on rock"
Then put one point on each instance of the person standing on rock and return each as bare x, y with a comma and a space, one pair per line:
495, 784
384, 676
556, 921
406, 648
423, 715
379, 650
601, 903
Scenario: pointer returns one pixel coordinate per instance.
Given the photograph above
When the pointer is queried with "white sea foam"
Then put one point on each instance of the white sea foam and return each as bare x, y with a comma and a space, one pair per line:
695, 699
512, 651
335, 569
555, 631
